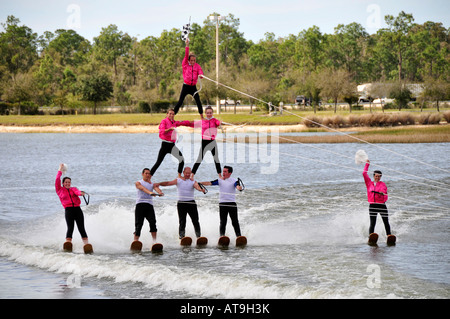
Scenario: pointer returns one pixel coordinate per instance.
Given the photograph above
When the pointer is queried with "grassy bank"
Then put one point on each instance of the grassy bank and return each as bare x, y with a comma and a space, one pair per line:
145, 119
373, 132
342, 119
416, 134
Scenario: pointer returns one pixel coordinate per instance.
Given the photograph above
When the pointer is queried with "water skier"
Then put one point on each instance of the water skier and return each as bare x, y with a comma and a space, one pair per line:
191, 72
227, 200
69, 197
168, 135
144, 204
209, 127
377, 197
186, 204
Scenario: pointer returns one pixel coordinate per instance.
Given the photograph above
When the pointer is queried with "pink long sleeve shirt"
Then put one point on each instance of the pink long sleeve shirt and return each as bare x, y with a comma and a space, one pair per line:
171, 135
209, 128
372, 187
67, 196
190, 72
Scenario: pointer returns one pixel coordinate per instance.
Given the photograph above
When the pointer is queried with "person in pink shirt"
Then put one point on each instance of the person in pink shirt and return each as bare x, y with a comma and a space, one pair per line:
191, 72
209, 126
377, 197
168, 135
69, 197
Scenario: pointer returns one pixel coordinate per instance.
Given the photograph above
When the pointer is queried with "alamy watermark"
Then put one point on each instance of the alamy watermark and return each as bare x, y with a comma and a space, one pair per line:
373, 21
74, 279
74, 19
257, 147
374, 279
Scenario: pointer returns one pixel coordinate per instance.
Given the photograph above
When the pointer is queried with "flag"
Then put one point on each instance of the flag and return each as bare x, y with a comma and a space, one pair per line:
185, 32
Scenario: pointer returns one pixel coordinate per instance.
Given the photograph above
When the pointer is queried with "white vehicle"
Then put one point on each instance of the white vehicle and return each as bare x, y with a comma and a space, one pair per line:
383, 100
228, 101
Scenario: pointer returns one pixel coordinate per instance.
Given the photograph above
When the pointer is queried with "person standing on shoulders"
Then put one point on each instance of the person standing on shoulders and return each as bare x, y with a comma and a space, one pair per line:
168, 135
191, 72
209, 127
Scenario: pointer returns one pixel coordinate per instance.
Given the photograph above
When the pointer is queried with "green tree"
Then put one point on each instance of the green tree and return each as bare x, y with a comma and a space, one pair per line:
96, 88
310, 49
399, 28
430, 46
18, 46
346, 49
48, 76
71, 46
335, 85
232, 44
111, 44
401, 93
265, 54
20, 90
436, 90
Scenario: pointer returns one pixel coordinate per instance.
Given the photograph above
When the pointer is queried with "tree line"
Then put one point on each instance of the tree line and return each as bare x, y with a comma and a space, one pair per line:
64, 69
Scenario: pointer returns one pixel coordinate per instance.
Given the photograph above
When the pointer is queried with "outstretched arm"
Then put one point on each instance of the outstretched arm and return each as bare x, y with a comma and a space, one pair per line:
168, 183
211, 183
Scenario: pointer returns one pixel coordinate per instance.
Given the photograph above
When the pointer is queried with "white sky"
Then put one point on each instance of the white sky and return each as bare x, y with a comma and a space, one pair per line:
141, 18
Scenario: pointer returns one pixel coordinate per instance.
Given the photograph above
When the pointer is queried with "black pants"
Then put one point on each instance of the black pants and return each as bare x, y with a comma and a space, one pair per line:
141, 212
189, 89
185, 208
208, 145
75, 214
374, 209
166, 148
231, 209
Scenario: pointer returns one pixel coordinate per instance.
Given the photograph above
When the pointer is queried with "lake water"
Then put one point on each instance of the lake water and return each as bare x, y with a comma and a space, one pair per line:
304, 212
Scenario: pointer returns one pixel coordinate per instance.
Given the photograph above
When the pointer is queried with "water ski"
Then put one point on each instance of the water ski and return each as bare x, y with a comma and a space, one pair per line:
157, 248
136, 246
241, 241
202, 241
391, 239
224, 241
88, 249
373, 238
67, 247
186, 241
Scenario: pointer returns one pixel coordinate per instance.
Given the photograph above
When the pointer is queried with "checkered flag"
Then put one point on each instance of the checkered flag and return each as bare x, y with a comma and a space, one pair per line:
185, 32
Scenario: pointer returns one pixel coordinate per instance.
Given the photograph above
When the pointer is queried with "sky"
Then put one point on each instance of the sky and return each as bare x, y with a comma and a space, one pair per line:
141, 18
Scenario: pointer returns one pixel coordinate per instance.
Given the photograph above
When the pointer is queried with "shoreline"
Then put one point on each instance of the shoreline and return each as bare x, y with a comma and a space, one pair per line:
139, 128
421, 133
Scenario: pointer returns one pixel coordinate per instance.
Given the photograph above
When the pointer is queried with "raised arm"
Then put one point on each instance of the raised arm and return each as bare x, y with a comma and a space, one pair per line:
186, 55
58, 180
365, 175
